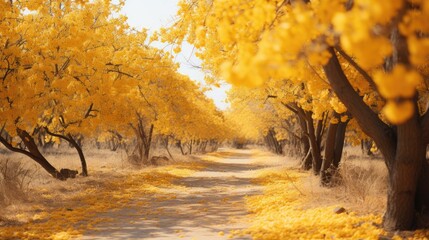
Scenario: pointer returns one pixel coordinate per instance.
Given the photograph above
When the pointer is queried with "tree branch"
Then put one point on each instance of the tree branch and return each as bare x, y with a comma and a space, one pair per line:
14, 149
56, 135
357, 67
288, 106
368, 120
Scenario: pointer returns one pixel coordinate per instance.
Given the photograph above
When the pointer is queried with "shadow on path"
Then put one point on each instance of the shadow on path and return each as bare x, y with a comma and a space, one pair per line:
211, 201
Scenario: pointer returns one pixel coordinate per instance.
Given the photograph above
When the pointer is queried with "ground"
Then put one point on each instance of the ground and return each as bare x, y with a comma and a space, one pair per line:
238, 194
211, 205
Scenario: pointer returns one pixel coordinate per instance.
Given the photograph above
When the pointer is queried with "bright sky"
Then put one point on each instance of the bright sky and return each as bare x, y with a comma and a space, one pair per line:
154, 14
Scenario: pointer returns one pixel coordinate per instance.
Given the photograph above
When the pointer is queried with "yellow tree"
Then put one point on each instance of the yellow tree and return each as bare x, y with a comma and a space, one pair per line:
75, 56
384, 41
214, 25
67, 48
154, 97
22, 90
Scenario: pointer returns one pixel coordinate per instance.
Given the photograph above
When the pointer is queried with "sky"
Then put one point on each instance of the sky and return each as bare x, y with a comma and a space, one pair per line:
154, 14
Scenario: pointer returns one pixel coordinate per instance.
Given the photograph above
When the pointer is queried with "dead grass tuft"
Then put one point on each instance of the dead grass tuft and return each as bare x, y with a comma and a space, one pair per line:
15, 179
362, 179
360, 186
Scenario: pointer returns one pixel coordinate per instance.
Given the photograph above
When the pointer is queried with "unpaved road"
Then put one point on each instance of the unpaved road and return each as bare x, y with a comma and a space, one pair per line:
209, 206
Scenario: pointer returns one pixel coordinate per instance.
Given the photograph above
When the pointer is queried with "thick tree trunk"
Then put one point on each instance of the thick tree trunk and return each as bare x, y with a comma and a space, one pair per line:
403, 177
403, 151
422, 197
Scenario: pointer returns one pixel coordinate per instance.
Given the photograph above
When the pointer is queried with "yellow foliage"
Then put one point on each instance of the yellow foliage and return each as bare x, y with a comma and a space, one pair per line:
398, 113
400, 83
278, 213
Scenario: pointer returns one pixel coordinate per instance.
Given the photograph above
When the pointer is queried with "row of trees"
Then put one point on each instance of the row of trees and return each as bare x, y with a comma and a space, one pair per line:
327, 62
74, 70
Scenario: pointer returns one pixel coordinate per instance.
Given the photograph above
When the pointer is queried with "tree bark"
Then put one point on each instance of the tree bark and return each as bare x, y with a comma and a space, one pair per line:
339, 143
369, 122
403, 177
79, 150
326, 170
144, 140
314, 145
333, 150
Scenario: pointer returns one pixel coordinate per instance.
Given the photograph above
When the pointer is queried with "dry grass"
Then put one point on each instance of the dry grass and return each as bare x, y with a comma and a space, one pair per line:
360, 186
15, 179
39, 192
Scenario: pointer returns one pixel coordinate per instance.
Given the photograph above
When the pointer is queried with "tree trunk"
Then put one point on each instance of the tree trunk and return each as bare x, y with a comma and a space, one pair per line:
181, 147
300, 113
307, 160
333, 150
33, 152
314, 146
273, 143
403, 177
366, 147
144, 141
326, 170
403, 151
73, 143
320, 129
78, 148
146, 154
339, 143
166, 147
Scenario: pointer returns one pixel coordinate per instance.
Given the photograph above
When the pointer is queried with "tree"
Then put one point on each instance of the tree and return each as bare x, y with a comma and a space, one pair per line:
372, 55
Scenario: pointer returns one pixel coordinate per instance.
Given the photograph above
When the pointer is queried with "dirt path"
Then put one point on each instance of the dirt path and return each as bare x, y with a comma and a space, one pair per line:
208, 206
